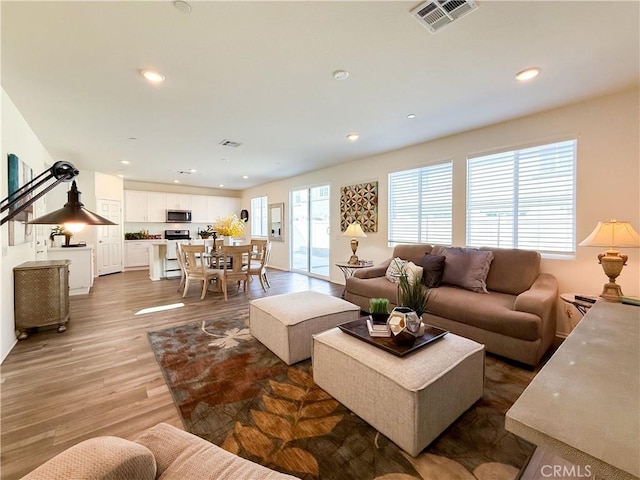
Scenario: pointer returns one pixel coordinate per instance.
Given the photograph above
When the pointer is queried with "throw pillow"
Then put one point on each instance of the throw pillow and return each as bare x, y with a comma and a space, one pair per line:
398, 266
394, 270
466, 267
433, 267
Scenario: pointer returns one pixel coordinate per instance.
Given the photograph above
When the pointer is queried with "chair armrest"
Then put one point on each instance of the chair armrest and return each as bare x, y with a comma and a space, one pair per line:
541, 298
99, 458
373, 272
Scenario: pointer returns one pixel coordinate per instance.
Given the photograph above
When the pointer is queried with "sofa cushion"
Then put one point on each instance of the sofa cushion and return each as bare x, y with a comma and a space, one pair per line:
364, 287
99, 458
466, 267
181, 455
512, 271
432, 270
493, 312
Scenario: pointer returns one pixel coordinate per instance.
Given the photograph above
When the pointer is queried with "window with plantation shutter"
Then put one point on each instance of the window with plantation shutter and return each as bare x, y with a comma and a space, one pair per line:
259, 217
523, 199
420, 205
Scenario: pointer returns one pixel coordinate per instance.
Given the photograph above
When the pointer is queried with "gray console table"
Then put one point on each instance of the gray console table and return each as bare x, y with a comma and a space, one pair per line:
584, 405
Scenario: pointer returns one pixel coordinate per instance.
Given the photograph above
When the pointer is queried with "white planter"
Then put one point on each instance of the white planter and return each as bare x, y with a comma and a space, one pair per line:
58, 240
227, 240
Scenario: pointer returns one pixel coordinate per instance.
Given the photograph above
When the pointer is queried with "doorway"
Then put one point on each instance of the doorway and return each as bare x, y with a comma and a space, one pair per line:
310, 231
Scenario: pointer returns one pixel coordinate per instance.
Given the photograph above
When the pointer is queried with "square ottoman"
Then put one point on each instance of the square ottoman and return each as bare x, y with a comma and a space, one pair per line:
411, 399
285, 324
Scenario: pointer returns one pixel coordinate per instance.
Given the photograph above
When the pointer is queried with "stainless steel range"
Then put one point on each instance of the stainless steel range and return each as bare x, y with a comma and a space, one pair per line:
171, 267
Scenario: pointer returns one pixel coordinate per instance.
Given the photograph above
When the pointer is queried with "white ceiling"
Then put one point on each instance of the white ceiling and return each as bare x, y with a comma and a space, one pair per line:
260, 73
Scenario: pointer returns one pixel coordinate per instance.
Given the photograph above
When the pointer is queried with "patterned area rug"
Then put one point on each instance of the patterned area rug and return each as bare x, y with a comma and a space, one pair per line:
232, 391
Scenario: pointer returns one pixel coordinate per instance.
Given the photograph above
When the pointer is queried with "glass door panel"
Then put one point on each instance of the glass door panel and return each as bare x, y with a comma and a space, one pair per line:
310, 235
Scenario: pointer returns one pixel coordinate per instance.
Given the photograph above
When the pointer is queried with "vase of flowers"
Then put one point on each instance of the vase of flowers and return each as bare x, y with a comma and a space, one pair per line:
229, 227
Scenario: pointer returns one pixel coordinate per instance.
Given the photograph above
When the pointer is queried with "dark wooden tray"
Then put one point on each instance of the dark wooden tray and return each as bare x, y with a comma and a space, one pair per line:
358, 328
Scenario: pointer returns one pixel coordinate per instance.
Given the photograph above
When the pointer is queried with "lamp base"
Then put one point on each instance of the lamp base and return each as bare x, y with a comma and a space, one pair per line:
611, 292
353, 260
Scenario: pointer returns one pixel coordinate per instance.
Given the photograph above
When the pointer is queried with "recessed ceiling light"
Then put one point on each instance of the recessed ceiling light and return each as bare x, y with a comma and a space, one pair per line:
183, 6
411, 116
221, 185
527, 73
176, 181
245, 176
352, 137
340, 74
152, 76
193, 170
125, 162
120, 175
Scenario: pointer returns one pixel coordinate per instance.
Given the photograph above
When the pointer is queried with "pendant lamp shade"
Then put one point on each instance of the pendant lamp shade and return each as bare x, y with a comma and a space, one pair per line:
72, 212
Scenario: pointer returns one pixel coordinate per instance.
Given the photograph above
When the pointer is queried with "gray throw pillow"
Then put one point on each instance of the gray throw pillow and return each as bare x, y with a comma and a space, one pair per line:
432, 269
466, 267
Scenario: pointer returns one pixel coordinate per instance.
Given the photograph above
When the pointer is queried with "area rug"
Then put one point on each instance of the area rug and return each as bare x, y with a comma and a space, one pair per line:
232, 391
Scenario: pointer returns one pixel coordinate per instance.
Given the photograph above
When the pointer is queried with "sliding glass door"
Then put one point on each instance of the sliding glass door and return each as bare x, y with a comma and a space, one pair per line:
310, 230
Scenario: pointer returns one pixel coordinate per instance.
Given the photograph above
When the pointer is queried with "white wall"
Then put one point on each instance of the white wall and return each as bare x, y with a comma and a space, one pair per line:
17, 138
608, 179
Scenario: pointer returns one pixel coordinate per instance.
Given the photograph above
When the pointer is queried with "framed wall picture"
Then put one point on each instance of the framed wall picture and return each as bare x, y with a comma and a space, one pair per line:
359, 203
19, 173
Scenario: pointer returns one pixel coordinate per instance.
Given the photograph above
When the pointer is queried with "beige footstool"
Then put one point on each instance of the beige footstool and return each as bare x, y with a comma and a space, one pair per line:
285, 324
412, 399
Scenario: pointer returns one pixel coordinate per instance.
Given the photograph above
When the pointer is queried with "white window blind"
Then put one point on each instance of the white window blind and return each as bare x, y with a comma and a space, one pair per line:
523, 199
420, 205
259, 217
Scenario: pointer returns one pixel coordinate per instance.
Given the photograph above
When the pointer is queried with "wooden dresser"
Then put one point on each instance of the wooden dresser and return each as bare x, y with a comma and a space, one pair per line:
41, 295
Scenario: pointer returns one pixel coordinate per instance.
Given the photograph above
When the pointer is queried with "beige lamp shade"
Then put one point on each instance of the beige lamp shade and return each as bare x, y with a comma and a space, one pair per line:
354, 231
612, 234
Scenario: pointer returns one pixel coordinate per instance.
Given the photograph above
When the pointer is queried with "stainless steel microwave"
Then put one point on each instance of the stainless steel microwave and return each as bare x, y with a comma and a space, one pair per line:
178, 216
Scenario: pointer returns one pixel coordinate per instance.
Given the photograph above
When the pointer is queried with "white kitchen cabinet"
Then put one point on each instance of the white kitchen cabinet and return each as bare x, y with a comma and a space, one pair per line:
144, 206
81, 267
178, 201
156, 207
222, 206
136, 254
135, 206
199, 209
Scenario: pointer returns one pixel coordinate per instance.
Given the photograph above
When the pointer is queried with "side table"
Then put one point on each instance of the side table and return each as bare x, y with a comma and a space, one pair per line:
581, 305
348, 269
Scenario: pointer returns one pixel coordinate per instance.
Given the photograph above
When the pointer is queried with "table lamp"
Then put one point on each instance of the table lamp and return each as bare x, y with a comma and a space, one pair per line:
354, 231
612, 234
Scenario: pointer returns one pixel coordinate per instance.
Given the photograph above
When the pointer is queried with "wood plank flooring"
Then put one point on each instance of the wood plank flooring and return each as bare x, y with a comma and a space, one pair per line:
100, 377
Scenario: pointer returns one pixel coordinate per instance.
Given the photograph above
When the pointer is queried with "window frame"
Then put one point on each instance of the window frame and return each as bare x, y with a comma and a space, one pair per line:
263, 207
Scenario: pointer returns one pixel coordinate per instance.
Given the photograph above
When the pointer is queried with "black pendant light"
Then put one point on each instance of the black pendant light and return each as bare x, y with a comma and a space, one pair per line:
72, 212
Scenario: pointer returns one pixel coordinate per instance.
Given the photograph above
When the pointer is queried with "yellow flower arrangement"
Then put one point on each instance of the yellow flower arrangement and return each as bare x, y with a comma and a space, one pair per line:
229, 226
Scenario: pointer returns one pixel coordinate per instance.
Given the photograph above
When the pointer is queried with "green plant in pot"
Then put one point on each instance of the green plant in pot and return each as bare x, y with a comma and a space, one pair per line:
60, 230
379, 309
414, 294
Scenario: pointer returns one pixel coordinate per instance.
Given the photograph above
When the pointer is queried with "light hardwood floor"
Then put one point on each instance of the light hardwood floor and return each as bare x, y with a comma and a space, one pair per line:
100, 377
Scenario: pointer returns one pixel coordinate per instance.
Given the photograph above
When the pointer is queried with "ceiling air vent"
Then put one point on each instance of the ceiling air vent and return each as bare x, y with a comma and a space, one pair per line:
230, 143
436, 14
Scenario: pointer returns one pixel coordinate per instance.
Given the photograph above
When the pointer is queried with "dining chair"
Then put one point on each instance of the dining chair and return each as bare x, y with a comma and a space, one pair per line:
181, 264
234, 260
258, 266
196, 268
258, 248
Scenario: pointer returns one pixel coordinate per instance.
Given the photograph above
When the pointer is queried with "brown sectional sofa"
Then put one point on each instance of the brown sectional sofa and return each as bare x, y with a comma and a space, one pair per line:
516, 319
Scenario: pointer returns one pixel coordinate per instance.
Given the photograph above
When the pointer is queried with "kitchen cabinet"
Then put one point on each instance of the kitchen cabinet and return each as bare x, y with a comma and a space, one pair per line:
136, 254
144, 206
41, 295
81, 266
178, 201
223, 206
200, 210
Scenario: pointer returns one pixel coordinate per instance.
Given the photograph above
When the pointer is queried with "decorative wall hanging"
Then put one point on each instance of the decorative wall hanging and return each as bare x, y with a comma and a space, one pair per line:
19, 173
359, 203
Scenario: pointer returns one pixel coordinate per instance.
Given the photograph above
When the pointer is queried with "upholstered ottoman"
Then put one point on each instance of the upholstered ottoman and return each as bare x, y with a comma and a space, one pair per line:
412, 399
286, 323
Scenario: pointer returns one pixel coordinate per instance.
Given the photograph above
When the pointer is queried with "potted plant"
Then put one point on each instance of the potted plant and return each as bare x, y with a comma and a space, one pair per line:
379, 310
414, 294
204, 234
60, 231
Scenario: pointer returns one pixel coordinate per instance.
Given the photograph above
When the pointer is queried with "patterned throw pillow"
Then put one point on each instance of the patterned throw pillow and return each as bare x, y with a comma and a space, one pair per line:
398, 266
